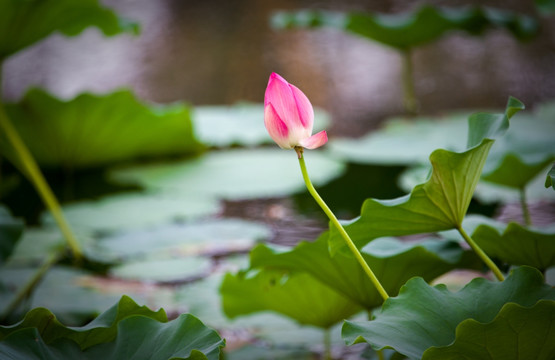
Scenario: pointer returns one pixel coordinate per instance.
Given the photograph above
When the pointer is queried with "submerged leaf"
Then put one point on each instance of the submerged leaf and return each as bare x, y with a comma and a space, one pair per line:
296, 295
422, 316
406, 30
23, 23
95, 130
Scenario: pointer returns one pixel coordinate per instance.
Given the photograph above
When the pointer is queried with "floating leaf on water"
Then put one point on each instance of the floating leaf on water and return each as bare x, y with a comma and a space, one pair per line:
133, 211
210, 237
163, 270
232, 174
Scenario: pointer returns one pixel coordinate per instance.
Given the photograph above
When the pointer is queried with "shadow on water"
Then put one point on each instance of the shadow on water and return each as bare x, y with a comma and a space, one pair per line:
68, 186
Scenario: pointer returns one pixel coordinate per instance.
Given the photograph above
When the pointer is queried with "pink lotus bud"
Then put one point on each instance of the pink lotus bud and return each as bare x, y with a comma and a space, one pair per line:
289, 117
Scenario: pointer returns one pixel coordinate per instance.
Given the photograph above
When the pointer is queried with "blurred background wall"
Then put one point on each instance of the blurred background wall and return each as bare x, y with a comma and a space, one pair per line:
218, 52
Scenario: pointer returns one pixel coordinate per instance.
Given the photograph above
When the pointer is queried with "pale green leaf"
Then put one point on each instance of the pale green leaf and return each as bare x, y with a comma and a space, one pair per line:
296, 295
125, 331
344, 274
134, 211
233, 174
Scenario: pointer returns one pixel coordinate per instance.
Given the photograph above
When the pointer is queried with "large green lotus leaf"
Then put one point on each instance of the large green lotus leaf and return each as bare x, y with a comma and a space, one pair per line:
296, 295
94, 130
428, 259
209, 237
441, 202
62, 290
10, 232
422, 316
134, 211
233, 174
517, 332
23, 23
409, 29
136, 333
404, 141
240, 124
518, 245
102, 329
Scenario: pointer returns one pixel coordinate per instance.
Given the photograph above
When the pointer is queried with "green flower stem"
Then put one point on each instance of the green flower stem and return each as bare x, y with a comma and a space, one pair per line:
525, 212
409, 98
485, 258
32, 170
339, 227
26, 290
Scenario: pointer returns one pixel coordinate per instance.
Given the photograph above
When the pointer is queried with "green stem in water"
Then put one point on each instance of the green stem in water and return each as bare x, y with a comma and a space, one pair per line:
485, 258
26, 290
32, 170
524, 206
339, 227
327, 344
409, 98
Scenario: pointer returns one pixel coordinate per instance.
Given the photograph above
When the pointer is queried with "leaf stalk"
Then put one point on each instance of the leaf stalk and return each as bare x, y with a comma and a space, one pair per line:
481, 254
33, 172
